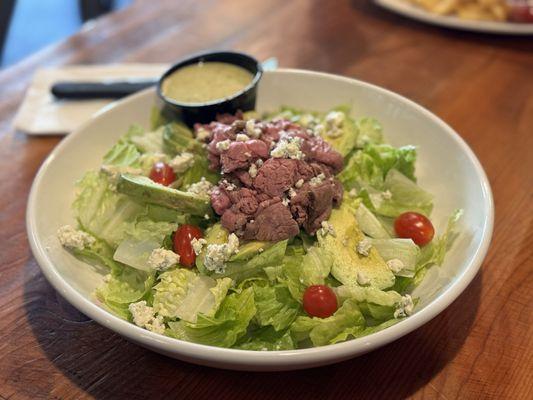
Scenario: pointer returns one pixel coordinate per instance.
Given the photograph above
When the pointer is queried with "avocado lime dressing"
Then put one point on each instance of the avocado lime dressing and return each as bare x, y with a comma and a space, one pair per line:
205, 82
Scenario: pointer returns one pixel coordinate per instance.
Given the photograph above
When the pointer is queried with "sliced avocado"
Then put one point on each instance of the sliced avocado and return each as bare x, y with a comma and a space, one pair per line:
347, 262
345, 142
250, 249
214, 235
144, 189
373, 302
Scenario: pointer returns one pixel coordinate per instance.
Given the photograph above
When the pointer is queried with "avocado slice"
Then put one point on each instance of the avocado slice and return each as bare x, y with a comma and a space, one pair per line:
144, 189
347, 262
250, 249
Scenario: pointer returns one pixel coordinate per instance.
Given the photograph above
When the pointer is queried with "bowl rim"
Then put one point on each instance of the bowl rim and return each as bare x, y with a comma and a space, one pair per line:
249, 359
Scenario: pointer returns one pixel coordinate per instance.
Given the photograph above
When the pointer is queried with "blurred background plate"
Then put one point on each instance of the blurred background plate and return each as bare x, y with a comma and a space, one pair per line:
414, 12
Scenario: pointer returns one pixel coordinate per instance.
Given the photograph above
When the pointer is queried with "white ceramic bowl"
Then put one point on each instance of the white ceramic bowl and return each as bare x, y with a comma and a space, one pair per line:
446, 167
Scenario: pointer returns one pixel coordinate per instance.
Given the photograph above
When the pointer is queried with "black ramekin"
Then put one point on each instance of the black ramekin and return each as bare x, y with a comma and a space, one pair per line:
191, 113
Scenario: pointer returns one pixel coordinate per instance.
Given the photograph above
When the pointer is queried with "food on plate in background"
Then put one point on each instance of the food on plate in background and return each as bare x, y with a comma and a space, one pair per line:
483, 10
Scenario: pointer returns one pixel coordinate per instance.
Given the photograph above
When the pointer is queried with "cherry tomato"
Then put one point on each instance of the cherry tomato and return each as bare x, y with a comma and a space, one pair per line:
320, 301
415, 226
182, 243
520, 11
162, 173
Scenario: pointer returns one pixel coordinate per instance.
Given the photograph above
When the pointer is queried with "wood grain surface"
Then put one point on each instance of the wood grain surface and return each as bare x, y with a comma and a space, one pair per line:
481, 347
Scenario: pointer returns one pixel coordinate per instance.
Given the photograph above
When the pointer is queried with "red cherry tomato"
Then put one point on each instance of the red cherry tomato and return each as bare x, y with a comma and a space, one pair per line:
520, 11
320, 301
415, 226
162, 173
182, 243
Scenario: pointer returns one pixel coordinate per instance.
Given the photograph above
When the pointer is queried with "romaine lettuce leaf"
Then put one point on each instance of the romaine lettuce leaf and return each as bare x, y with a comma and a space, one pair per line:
346, 320
403, 195
123, 154
377, 304
183, 294
225, 328
431, 254
127, 286
404, 250
266, 338
275, 306
370, 131
369, 223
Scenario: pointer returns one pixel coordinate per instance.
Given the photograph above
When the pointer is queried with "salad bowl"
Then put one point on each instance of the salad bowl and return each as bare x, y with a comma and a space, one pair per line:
446, 166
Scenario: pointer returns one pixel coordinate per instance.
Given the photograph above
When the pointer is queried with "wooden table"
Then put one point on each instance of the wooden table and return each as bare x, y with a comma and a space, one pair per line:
480, 347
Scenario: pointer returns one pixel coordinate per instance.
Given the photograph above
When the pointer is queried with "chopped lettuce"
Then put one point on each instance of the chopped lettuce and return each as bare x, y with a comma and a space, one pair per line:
183, 294
347, 320
126, 286
177, 138
431, 254
370, 131
370, 166
404, 250
369, 223
225, 327
275, 306
266, 338
374, 303
103, 212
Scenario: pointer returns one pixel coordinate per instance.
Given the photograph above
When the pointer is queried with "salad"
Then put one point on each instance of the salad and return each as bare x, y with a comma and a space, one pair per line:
288, 230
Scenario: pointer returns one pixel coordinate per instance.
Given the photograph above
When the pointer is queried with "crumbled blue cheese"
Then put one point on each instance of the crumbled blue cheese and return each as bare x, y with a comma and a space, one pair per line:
318, 130
182, 162
299, 183
259, 163
326, 229
334, 122
207, 217
217, 254
288, 148
223, 145
352, 193
144, 316
404, 307
386, 195
241, 137
228, 186
73, 238
162, 259
362, 279
363, 247
252, 170
202, 134
114, 172
317, 180
252, 130
285, 201
292, 193
202, 188
395, 265
197, 245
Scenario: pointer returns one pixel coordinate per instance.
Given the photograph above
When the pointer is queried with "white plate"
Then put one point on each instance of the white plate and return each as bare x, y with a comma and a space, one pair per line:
447, 167
412, 11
